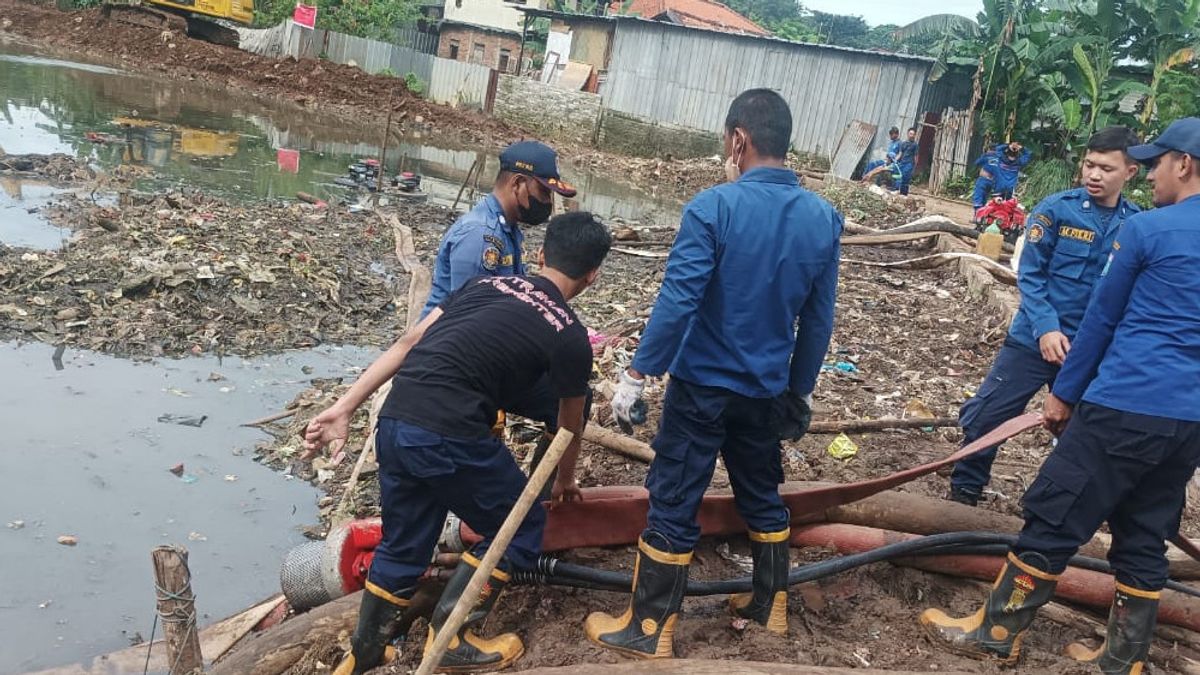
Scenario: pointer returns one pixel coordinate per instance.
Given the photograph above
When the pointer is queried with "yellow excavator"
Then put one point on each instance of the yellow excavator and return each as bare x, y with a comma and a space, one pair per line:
197, 18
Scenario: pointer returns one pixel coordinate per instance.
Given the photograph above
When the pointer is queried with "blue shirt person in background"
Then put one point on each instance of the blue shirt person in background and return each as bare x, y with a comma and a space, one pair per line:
1128, 410
752, 257
999, 170
1069, 238
906, 158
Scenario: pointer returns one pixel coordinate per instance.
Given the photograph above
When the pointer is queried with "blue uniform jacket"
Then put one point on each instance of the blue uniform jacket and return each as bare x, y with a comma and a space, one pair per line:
480, 243
893, 149
750, 257
1138, 349
1066, 246
1004, 173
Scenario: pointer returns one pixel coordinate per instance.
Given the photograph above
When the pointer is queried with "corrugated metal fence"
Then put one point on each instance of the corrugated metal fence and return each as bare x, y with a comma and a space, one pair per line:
453, 83
681, 76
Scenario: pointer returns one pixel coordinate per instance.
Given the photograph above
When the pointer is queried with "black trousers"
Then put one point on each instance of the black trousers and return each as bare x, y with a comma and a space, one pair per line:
1128, 469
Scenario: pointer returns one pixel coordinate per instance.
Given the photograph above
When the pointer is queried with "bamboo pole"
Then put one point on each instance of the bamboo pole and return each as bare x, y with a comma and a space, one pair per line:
466, 602
177, 609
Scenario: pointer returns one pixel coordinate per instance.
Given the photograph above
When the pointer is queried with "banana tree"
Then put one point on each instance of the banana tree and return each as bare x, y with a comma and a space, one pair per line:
1166, 35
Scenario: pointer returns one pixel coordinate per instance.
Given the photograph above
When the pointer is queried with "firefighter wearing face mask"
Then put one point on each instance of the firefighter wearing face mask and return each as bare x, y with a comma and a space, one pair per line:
487, 240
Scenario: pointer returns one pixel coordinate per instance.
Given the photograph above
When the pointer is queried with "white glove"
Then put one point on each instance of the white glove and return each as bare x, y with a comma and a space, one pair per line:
625, 402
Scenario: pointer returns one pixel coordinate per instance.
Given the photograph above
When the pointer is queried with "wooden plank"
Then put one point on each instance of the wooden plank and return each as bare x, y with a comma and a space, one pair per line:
697, 667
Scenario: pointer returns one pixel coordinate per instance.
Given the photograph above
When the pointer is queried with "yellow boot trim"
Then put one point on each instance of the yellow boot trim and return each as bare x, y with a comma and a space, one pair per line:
1138, 593
497, 573
937, 623
777, 621
665, 649
662, 556
1080, 652
346, 667
599, 623
771, 537
1031, 571
394, 599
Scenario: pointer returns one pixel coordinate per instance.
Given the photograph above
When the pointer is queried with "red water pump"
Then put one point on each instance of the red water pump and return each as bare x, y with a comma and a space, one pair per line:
1006, 214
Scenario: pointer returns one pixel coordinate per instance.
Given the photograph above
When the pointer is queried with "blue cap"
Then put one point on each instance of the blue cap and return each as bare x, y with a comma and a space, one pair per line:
1182, 136
538, 160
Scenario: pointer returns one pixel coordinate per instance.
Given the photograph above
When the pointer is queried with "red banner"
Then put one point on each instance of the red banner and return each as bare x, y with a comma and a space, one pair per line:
288, 160
305, 15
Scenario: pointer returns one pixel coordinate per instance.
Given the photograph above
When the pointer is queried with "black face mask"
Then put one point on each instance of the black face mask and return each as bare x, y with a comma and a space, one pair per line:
537, 212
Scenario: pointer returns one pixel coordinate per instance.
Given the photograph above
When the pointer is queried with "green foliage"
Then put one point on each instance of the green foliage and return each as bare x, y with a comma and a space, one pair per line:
959, 187
387, 70
414, 84
1044, 178
787, 19
375, 19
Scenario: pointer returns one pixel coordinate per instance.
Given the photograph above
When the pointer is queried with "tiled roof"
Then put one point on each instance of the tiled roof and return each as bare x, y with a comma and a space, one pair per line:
695, 13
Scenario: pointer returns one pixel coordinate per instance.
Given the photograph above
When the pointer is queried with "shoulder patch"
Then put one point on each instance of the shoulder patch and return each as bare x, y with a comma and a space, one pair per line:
494, 241
491, 258
1036, 231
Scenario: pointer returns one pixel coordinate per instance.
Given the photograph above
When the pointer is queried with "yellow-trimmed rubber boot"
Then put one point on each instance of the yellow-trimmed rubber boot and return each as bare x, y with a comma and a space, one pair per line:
1131, 624
767, 602
378, 615
995, 631
646, 629
468, 652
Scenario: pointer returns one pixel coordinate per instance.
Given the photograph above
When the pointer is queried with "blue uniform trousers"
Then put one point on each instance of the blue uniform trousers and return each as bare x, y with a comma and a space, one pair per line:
1128, 469
906, 174
984, 187
699, 422
1016, 375
422, 475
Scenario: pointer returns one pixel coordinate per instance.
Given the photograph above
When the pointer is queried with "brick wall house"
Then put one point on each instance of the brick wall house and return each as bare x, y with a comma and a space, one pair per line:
491, 47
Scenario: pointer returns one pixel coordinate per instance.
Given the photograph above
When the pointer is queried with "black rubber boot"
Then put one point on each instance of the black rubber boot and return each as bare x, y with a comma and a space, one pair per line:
963, 497
646, 629
468, 652
1131, 624
767, 603
995, 631
378, 616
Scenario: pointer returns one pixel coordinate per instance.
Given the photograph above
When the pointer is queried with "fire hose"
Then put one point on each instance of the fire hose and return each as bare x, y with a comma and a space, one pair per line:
553, 572
318, 572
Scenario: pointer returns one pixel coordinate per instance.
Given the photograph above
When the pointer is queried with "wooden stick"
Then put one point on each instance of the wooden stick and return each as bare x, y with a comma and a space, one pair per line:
462, 188
882, 424
611, 440
998, 271
177, 609
281, 415
881, 239
449, 630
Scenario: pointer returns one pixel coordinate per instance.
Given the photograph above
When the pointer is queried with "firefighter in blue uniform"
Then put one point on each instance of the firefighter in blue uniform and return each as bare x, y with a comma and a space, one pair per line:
488, 241
999, 170
752, 256
494, 336
1128, 411
1067, 244
906, 159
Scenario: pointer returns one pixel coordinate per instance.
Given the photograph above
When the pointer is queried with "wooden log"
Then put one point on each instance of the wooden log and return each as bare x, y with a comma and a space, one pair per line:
882, 424
215, 641
611, 440
177, 609
886, 238
275, 417
697, 667
999, 272
274, 651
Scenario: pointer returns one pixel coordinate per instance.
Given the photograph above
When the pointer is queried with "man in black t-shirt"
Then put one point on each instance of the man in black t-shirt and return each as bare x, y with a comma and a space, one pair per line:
478, 351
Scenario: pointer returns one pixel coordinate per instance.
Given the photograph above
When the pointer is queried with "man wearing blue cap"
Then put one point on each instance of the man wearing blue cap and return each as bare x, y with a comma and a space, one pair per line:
488, 241
1127, 411
1069, 237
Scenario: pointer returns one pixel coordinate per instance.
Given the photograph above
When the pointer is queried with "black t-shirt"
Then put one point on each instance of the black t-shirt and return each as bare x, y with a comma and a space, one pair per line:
496, 337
